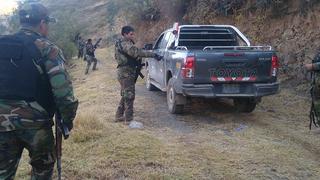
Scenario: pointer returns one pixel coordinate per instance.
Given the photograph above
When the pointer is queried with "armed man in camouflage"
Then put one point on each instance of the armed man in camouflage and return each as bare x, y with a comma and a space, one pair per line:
127, 56
90, 57
33, 85
314, 67
80, 46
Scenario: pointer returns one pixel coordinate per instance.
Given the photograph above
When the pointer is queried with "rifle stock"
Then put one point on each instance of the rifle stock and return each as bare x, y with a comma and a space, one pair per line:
138, 70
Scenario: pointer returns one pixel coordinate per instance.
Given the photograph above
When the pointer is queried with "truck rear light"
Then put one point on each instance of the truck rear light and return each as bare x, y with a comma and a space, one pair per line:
274, 65
188, 67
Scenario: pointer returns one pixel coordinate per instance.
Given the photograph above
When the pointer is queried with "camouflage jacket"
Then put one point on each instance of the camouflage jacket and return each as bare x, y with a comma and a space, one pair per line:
81, 44
316, 61
127, 46
90, 49
19, 114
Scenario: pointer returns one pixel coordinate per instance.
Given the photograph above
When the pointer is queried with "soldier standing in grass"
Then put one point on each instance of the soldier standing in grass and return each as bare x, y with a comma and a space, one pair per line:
314, 67
90, 57
80, 45
33, 85
127, 56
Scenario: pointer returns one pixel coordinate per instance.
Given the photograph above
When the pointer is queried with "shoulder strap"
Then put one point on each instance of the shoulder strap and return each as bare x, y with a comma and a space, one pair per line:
30, 45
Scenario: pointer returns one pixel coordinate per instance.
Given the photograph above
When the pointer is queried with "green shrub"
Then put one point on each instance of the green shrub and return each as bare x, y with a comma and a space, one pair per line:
62, 34
137, 10
2, 29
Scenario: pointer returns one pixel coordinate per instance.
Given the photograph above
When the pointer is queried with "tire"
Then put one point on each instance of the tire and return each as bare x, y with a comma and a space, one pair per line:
245, 105
175, 101
149, 86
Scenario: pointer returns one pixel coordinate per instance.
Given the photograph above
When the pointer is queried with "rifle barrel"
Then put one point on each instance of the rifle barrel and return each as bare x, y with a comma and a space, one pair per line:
59, 168
58, 143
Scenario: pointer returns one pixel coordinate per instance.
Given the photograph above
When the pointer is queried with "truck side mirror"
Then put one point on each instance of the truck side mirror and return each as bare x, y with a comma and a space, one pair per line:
148, 46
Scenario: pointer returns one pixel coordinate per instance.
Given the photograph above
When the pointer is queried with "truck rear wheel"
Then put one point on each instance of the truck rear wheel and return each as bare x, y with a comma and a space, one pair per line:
149, 86
175, 101
245, 105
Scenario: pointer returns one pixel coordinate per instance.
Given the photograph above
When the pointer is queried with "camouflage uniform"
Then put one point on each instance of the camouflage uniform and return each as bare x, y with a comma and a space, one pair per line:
90, 57
81, 45
28, 125
317, 85
126, 76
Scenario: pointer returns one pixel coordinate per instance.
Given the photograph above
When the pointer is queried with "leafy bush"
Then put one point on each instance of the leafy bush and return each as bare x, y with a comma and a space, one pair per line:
2, 29
227, 7
137, 10
62, 34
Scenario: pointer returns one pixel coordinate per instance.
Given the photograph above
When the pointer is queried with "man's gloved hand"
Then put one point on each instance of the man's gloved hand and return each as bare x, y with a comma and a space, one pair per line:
158, 57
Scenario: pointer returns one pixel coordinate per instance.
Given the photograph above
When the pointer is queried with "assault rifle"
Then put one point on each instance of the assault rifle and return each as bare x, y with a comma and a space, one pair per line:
61, 130
139, 67
97, 43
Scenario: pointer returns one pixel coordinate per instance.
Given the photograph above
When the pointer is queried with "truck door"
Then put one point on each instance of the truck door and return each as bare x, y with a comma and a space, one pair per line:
160, 49
153, 64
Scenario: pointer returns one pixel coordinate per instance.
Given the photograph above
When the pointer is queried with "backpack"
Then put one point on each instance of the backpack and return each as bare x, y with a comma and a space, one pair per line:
20, 77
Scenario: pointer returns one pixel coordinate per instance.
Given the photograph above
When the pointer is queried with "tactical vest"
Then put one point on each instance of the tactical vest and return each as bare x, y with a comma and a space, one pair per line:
88, 51
20, 78
130, 60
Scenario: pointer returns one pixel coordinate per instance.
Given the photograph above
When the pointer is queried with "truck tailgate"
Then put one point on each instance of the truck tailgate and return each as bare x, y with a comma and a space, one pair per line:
232, 66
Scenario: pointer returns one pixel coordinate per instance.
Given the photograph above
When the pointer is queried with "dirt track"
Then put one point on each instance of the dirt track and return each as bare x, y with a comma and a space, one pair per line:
273, 142
264, 144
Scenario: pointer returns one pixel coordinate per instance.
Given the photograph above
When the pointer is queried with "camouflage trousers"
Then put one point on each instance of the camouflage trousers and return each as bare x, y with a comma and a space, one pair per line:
317, 96
39, 143
125, 107
90, 60
80, 53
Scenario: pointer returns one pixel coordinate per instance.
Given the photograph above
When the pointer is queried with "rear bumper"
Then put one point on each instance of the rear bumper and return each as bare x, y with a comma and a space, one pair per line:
215, 90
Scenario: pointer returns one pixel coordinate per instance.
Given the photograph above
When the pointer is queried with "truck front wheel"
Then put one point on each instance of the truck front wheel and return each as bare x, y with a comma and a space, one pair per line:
245, 105
175, 101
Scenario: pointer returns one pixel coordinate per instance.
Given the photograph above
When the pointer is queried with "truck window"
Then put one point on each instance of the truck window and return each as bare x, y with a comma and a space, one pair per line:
165, 40
198, 38
158, 43
171, 41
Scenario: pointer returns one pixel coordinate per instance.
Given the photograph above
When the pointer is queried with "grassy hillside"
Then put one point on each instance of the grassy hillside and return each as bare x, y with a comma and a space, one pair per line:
290, 26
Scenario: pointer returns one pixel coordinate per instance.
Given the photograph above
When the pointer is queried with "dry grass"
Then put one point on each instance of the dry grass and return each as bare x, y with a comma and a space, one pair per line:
101, 149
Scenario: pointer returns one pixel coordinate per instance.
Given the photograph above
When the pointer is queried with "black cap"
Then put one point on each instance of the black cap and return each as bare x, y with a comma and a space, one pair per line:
33, 13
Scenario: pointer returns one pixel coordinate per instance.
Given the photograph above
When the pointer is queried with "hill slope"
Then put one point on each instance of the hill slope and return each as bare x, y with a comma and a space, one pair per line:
292, 28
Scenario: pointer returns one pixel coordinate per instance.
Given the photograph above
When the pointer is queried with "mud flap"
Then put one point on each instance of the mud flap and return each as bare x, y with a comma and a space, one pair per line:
181, 100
